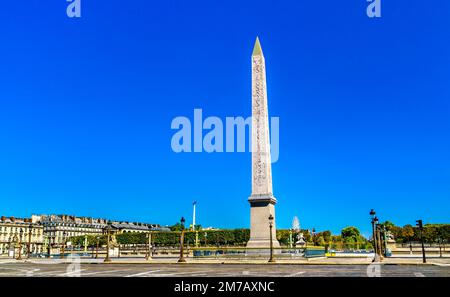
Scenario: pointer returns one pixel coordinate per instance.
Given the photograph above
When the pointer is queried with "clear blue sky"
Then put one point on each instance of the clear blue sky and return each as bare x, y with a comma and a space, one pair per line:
364, 105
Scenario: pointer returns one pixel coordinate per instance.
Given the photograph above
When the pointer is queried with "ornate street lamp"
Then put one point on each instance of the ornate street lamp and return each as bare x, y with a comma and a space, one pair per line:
30, 227
108, 231
20, 244
49, 246
85, 243
181, 259
374, 236
271, 259
63, 245
149, 246
420, 226
313, 231
96, 250
291, 242
379, 242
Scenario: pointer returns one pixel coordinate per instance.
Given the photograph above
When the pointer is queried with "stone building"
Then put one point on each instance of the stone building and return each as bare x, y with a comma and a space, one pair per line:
17, 233
59, 228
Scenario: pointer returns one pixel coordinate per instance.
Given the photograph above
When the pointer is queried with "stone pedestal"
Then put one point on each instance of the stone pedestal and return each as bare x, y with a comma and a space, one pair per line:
260, 210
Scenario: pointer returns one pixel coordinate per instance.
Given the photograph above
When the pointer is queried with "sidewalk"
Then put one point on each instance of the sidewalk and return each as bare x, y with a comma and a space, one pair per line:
310, 261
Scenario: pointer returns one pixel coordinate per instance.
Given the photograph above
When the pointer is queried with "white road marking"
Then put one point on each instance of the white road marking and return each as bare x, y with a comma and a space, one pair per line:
200, 274
51, 272
294, 274
30, 273
72, 272
142, 273
178, 273
106, 271
441, 264
419, 274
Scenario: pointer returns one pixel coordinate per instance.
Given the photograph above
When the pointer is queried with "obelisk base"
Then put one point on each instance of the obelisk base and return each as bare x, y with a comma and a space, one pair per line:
261, 207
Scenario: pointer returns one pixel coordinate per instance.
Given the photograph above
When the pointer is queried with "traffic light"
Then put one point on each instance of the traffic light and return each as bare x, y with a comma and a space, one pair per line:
419, 224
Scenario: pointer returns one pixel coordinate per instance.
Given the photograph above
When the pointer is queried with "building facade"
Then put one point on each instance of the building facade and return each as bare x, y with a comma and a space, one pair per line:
59, 228
20, 234
42, 233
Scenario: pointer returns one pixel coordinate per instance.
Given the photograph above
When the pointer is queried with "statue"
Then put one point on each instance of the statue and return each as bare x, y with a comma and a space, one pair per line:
300, 239
113, 241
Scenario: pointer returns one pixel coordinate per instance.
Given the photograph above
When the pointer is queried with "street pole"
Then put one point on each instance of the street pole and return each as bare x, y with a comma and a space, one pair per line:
30, 227
96, 250
385, 241
374, 236
291, 244
193, 214
181, 259
49, 247
420, 225
63, 245
271, 259
380, 243
107, 259
149, 246
20, 245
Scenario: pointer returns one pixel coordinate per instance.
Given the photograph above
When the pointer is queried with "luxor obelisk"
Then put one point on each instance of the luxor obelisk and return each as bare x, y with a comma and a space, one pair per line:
262, 201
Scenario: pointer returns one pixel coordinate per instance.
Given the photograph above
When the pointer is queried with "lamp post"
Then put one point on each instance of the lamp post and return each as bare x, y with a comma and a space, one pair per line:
291, 243
30, 227
206, 237
374, 236
63, 245
420, 225
313, 232
379, 241
108, 231
49, 247
181, 259
385, 241
96, 249
196, 238
20, 244
85, 243
149, 246
271, 259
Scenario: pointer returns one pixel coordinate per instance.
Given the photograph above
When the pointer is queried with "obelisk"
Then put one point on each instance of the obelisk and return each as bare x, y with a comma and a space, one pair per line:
262, 201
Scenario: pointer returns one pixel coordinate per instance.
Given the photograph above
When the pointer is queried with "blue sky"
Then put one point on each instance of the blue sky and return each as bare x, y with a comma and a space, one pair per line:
364, 105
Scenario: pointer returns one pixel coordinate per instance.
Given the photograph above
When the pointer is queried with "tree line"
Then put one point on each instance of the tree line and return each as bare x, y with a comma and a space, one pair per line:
350, 237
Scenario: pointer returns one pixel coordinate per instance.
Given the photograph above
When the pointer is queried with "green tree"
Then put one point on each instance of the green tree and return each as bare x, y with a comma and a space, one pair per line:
176, 227
350, 232
406, 235
320, 241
